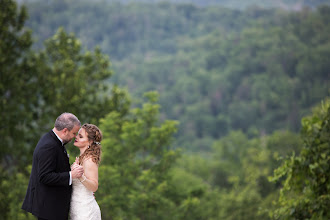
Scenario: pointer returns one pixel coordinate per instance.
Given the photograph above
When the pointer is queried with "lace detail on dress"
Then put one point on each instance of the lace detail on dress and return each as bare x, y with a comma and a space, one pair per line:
83, 204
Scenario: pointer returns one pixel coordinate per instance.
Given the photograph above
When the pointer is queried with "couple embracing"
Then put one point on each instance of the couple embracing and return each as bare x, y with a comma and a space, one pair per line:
57, 190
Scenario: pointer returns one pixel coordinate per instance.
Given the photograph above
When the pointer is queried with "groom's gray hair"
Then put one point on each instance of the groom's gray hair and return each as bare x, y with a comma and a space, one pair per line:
66, 120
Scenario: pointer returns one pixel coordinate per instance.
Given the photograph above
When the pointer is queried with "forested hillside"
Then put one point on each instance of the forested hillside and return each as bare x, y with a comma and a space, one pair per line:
216, 69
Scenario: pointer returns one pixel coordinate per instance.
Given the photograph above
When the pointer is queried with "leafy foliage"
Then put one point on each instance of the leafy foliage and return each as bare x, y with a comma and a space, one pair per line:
136, 163
15, 83
305, 192
258, 79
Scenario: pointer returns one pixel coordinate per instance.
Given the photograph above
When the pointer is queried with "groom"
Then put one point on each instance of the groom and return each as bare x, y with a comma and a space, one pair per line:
49, 192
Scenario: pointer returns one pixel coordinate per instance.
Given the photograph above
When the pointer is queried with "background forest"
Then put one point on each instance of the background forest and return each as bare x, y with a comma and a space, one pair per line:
209, 109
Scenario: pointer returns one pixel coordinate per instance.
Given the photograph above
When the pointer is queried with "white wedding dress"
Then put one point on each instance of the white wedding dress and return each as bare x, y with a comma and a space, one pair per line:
83, 204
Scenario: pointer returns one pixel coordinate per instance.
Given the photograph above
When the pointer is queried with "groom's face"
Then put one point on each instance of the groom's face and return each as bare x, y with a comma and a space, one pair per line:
70, 134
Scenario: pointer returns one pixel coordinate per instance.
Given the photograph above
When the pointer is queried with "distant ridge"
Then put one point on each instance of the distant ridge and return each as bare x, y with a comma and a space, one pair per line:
234, 4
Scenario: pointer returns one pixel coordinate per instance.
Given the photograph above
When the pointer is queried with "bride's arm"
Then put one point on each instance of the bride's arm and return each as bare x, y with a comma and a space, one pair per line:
90, 177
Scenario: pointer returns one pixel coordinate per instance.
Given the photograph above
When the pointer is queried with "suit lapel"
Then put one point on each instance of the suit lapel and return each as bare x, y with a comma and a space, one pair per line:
60, 145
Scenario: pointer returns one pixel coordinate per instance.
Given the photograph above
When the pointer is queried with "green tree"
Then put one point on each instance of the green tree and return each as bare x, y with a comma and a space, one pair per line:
305, 193
135, 164
15, 42
242, 166
241, 169
13, 189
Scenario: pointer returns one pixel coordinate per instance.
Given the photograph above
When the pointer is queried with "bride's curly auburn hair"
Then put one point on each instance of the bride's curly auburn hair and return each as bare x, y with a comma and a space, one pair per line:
94, 134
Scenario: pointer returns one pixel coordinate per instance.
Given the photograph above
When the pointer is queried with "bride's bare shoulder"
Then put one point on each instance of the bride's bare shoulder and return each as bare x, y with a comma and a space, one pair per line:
89, 161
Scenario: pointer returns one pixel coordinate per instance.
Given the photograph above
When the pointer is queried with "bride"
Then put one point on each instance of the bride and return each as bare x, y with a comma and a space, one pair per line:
83, 204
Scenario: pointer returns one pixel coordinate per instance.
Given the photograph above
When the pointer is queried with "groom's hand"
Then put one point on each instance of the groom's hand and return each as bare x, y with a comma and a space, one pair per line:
77, 171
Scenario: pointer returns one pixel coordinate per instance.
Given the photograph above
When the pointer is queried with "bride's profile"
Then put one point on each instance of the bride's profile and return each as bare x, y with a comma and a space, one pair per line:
83, 204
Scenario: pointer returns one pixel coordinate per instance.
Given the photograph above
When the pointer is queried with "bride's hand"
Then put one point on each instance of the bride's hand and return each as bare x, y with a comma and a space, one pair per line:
75, 164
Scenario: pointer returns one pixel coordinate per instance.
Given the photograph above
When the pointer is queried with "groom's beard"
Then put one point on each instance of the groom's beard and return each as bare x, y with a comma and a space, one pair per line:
66, 141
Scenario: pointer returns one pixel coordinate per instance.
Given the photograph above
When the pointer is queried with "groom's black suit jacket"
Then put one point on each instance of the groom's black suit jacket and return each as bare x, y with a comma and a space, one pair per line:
49, 193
